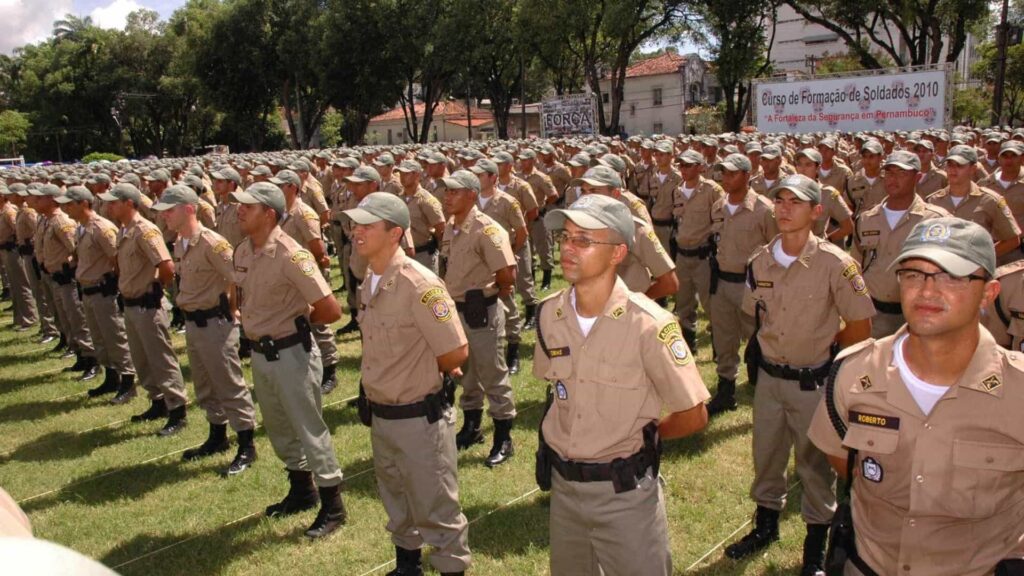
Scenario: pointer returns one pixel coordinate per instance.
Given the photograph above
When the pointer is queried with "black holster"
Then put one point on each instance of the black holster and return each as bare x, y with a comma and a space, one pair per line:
840, 541
36, 269
363, 407
1010, 567
25, 249
542, 468
673, 246
269, 349
475, 309
109, 284
225, 308
448, 386
305, 332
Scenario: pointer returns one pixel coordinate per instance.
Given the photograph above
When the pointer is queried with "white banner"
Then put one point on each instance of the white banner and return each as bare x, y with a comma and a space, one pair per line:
567, 115
898, 101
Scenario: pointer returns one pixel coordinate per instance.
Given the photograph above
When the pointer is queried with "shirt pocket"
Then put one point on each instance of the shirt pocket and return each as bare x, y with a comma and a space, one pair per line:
986, 476
877, 470
619, 390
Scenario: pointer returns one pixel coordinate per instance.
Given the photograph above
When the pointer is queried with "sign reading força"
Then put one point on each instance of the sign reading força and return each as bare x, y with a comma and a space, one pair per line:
567, 115
897, 101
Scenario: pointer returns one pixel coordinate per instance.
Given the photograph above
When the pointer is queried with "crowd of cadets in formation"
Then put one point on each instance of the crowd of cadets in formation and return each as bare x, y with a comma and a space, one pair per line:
703, 206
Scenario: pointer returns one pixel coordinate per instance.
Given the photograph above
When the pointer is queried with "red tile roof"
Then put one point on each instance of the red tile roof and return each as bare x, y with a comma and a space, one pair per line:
667, 63
449, 109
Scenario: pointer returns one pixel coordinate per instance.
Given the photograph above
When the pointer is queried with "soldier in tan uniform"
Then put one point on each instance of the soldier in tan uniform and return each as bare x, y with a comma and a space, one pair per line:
1008, 182
385, 166
965, 199
437, 169
881, 231
771, 173
481, 271
831, 172
280, 292
615, 362
506, 212
555, 170
693, 243
928, 420
546, 195
801, 289
339, 198
836, 220
661, 191
24, 232
521, 192
24, 303
55, 242
1004, 316
931, 179
303, 224
206, 292
96, 253
310, 190
413, 336
742, 221
866, 189
425, 213
144, 269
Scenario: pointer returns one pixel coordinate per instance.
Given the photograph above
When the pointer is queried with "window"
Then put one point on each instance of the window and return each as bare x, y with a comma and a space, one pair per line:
658, 128
632, 108
604, 97
657, 96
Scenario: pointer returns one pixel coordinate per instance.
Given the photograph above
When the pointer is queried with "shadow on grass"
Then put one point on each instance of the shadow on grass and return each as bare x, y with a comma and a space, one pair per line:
27, 411
512, 531
11, 384
687, 447
71, 445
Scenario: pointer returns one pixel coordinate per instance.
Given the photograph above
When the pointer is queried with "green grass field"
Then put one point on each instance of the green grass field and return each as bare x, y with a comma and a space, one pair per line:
114, 491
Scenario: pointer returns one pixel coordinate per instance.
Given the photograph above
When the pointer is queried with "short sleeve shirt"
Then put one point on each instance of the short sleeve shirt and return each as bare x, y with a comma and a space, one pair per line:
506, 211
96, 250
139, 250
983, 207
425, 213
205, 264
59, 238
739, 235
475, 250
693, 214
646, 259
301, 223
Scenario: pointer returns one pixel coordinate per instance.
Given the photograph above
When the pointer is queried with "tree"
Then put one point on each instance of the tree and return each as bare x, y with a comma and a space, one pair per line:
1013, 86
296, 27
14, 127
971, 105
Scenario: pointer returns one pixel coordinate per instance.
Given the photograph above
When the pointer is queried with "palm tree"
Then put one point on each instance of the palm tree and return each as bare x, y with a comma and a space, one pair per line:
71, 27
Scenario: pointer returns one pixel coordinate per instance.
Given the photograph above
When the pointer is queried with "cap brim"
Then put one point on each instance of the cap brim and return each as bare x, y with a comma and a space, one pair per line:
951, 263
958, 160
108, 197
277, 181
592, 182
361, 216
63, 200
555, 220
162, 206
453, 184
728, 166
902, 165
769, 156
243, 197
801, 194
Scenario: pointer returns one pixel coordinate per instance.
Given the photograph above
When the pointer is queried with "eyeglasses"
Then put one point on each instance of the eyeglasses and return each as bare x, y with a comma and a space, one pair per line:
581, 242
913, 278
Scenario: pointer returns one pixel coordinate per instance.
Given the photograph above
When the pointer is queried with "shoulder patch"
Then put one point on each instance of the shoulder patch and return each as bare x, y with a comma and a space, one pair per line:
305, 262
68, 228
436, 301
222, 247
671, 335
492, 232
151, 234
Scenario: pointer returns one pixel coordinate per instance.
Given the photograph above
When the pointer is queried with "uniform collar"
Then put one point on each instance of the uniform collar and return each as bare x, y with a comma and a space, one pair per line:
808, 253
918, 205
614, 308
471, 217
270, 246
387, 279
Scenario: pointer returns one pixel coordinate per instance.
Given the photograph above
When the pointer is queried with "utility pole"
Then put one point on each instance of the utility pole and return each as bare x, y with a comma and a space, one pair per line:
522, 97
997, 92
469, 116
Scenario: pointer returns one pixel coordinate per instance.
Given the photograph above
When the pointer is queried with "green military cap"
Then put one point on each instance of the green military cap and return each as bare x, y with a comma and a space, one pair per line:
227, 173
956, 245
648, 144
287, 177
994, 137
462, 180
709, 141
925, 143
1011, 147
51, 190
872, 146
347, 162
527, 154
75, 194
5, 191
771, 152
385, 159
579, 160
195, 170
437, 158
243, 165
98, 178
159, 175
364, 174
262, 170
962, 155
736, 163
380, 206
472, 154
663, 146
131, 178
600, 175
301, 165
804, 188
752, 148
194, 182
903, 159
410, 167
502, 158
613, 161
730, 149
19, 189
175, 196
546, 149
281, 163
828, 143
690, 157
810, 153
484, 165
595, 212
123, 191
261, 193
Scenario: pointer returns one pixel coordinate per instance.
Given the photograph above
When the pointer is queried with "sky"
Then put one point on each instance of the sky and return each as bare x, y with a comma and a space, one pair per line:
29, 21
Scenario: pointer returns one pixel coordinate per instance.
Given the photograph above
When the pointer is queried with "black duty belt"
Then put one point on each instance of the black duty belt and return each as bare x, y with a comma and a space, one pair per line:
701, 252
734, 277
430, 247
488, 302
200, 317
279, 344
402, 411
637, 465
64, 276
25, 249
149, 300
9, 245
809, 378
90, 290
888, 307
662, 221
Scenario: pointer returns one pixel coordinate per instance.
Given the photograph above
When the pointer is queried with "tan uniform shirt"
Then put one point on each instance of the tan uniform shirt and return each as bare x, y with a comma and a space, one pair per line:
302, 223
60, 234
25, 224
227, 223
937, 494
475, 251
647, 259
1014, 194
277, 283
541, 185
559, 175
693, 214
931, 182
837, 177
139, 250
437, 188
863, 194
425, 213
636, 206
983, 207
96, 250
833, 208
518, 189
638, 182
740, 234
803, 304
662, 194
608, 385
506, 211
762, 185
8, 217
876, 246
407, 324
1004, 318
204, 263
313, 196
392, 185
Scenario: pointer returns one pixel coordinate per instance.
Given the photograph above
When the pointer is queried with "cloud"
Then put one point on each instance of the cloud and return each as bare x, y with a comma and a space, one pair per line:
115, 14
28, 21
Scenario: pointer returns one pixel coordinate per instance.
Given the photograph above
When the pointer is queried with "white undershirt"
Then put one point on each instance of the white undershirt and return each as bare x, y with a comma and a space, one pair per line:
688, 192
484, 201
732, 208
824, 173
586, 322
781, 257
926, 395
956, 200
1006, 183
374, 279
893, 216
661, 177
769, 184
871, 181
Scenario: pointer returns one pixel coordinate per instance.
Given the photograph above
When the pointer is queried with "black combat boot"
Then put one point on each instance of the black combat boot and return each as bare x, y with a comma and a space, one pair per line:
470, 433
502, 449
332, 513
90, 370
407, 563
216, 442
690, 336
330, 380
246, 454
157, 409
176, 422
512, 358
725, 397
125, 390
244, 348
545, 283
61, 346
814, 550
79, 364
302, 495
530, 317
111, 381
766, 531
352, 326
